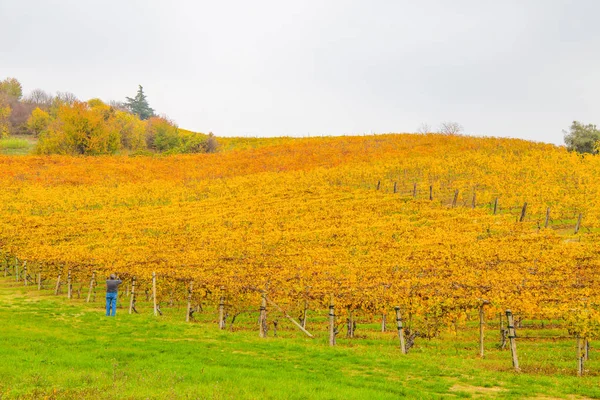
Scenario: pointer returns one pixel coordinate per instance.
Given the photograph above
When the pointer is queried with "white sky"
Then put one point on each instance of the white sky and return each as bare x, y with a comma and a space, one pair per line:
269, 68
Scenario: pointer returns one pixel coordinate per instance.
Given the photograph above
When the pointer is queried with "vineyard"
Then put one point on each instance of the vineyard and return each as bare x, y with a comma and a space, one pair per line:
421, 231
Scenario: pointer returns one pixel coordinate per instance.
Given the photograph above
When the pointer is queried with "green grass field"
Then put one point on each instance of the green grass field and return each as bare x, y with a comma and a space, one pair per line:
17, 145
56, 348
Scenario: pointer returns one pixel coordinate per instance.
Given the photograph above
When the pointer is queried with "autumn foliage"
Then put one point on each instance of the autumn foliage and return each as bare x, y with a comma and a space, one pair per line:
308, 219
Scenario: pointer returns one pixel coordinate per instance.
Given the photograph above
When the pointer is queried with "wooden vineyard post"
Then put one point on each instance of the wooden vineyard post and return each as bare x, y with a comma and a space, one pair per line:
17, 269
415, 190
430, 192
482, 328
132, 298
383, 322
262, 320
69, 285
39, 280
395, 187
523, 212
400, 330
189, 302
580, 358
25, 273
154, 293
455, 199
222, 310
586, 349
576, 226
512, 339
57, 285
331, 322
474, 201
547, 217
495, 206
378, 184
92, 282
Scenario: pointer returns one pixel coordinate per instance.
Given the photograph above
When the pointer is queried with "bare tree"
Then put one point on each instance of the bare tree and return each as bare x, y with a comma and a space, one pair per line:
118, 105
39, 98
451, 128
66, 97
424, 128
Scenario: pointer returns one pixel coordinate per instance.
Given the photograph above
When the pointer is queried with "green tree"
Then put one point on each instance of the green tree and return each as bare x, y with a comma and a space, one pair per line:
139, 105
162, 135
11, 87
39, 121
582, 138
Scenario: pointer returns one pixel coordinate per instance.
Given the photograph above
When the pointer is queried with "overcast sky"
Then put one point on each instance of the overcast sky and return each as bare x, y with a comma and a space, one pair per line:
326, 67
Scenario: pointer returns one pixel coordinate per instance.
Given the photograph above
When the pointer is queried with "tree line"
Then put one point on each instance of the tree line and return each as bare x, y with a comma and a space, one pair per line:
63, 124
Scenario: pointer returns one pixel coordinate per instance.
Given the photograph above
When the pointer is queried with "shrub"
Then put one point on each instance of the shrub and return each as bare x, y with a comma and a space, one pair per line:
79, 129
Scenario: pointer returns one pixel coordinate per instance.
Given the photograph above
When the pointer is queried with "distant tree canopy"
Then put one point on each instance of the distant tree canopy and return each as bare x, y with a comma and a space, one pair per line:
139, 105
451, 128
582, 138
65, 125
11, 87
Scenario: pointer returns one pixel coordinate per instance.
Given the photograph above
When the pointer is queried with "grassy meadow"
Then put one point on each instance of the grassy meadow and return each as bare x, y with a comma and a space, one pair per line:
17, 145
55, 348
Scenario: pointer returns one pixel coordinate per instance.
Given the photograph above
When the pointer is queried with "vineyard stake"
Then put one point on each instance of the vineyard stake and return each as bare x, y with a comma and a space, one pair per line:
132, 299
547, 217
578, 224
92, 281
331, 323
579, 356
69, 285
39, 280
495, 205
57, 285
285, 314
400, 330
383, 322
189, 303
154, 293
17, 269
222, 309
25, 272
430, 192
395, 187
513, 342
378, 184
523, 212
262, 321
481, 328
474, 201
415, 190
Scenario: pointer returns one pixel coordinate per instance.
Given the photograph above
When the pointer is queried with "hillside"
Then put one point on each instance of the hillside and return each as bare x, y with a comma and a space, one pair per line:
434, 224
